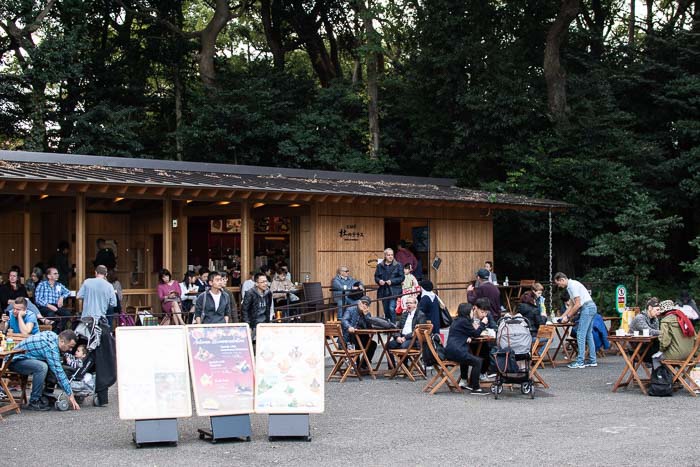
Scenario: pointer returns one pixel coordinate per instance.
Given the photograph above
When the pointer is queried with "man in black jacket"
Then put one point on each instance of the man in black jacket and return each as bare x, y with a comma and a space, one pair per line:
214, 306
389, 276
257, 303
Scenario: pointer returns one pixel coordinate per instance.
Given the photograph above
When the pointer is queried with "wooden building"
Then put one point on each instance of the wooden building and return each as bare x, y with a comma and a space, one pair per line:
182, 215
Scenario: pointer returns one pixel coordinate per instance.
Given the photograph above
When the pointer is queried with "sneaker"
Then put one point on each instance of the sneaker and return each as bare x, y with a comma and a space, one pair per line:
575, 365
591, 364
491, 375
463, 384
485, 377
37, 406
477, 391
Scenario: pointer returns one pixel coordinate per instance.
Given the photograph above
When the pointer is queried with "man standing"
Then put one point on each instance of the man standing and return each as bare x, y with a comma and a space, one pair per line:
49, 296
487, 290
257, 304
97, 295
582, 303
214, 306
389, 276
43, 353
105, 256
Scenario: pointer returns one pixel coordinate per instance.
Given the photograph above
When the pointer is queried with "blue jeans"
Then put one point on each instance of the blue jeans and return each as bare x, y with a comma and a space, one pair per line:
389, 309
38, 370
584, 335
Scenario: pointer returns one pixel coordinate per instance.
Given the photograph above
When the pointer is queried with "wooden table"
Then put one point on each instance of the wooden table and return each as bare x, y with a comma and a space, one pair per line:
10, 403
562, 330
479, 342
640, 345
509, 292
383, 336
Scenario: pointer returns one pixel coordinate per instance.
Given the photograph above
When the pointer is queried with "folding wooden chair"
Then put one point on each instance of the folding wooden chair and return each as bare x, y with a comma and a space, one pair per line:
444, 369
346, 360
408, 360
543, 332
23, 380
681, 368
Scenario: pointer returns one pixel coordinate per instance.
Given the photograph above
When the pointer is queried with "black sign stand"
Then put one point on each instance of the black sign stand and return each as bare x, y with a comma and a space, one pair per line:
227, 427
288, 426
159, 431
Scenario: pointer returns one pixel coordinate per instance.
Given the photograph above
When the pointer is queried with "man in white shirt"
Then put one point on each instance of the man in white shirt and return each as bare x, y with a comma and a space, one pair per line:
407, 323
582, 303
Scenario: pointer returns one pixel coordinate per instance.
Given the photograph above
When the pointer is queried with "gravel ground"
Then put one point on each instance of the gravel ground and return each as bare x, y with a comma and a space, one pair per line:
578, 421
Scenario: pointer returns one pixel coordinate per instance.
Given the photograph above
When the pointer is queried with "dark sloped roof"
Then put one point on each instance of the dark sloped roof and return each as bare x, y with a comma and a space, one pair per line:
62, 168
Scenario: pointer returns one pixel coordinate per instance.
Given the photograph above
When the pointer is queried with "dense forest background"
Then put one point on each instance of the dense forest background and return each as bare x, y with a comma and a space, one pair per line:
593, 102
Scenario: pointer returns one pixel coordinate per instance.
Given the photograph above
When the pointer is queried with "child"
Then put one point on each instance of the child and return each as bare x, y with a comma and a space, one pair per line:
76, 361
409, 284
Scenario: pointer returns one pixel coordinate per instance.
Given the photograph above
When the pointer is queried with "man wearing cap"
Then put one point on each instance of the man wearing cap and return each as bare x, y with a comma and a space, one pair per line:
485, 290
357, 317
582, 303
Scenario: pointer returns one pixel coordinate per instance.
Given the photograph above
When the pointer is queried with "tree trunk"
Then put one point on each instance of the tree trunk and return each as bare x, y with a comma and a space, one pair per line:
177, 85
37, 136
555, 75
269, 12
650, 17
207, 51
372, 77
306, 27
630, 32
356, 71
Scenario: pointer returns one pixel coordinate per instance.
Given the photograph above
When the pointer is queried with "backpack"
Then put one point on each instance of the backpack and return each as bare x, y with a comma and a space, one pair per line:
661, 384
514, 333
380, 323
428, 359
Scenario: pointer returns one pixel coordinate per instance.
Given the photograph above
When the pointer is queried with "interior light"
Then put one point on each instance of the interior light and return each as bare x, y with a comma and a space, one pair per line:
43, 196
223, 203
188, 201
295, 205
258, 205
116, 200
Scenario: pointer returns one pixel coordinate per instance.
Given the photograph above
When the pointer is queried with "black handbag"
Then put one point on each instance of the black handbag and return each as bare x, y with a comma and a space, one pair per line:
445, 318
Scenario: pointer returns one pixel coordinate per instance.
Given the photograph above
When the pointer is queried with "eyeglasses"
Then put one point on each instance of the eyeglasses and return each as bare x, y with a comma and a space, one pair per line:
261, 282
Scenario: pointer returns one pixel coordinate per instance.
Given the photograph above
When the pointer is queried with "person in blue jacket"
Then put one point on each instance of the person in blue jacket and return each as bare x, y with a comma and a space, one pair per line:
341, 286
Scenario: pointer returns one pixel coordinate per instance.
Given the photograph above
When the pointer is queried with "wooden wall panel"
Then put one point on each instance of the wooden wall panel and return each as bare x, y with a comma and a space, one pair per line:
456, 235
307, 254
328, 263
371, 229
401, 211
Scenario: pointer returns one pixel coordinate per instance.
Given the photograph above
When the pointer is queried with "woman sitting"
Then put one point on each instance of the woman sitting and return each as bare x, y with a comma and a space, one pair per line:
169, 293
462, 330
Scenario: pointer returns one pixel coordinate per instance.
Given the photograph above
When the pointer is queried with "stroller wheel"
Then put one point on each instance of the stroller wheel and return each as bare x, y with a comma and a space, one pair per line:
61, 405
525, 388
493, 389
95, 401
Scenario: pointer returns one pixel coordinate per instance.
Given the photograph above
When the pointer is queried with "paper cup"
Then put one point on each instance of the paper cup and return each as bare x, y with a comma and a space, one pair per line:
636, 333
645, 332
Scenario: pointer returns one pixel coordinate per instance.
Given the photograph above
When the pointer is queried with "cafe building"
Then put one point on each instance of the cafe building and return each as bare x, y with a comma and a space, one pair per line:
186, 215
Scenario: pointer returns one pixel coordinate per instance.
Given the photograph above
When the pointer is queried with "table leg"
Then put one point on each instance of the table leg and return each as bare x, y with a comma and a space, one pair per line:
371, 371
637, 360
385, 352
11, 403
561, 334
628, 366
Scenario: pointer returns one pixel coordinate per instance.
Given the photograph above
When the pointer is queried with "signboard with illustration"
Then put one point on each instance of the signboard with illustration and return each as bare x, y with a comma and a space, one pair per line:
289, 368
153, 376
221, 365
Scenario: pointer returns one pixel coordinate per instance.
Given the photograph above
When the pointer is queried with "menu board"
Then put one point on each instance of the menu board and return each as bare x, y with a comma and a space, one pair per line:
153, 380
289, 368
221, 365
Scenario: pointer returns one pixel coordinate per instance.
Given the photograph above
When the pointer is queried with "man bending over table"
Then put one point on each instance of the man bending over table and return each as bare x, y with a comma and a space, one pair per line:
43, 353
357, 317
582, 303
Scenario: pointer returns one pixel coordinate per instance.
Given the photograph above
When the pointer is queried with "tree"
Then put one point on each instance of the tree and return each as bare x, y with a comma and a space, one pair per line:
554, 72
639, 242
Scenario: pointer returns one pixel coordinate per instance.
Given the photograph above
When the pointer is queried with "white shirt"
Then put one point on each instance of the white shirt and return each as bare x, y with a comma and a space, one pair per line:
247, 285
408, 326
577, 289
217, 299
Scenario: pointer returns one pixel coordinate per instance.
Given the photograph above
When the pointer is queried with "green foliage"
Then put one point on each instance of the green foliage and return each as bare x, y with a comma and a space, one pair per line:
693, 266
639, 242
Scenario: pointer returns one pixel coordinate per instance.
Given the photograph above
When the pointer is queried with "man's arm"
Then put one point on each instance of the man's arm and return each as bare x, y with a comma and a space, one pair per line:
113, 298
54, 363
24, 328
41, 295
198, 306
573, 309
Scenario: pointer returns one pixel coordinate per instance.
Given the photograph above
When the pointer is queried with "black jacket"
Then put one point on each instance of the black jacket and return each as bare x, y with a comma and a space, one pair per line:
532, 314
418, 318
7, 293
106, 258
256, 307
461, 329
204, 309
392, 272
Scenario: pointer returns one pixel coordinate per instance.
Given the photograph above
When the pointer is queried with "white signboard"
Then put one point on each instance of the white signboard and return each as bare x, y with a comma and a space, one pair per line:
153, 377
289, 368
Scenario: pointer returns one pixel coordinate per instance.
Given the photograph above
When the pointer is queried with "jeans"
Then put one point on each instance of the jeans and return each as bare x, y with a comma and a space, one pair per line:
37, 369
584, 335
389, 309
60, 323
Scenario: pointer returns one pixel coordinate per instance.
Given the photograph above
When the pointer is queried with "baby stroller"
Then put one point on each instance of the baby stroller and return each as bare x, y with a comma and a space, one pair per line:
83, 380
513, 358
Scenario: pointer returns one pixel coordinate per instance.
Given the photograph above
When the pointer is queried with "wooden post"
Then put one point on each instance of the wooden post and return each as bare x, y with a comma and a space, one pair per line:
167, 234
27, 243
80, 239
246, 241
184, 247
